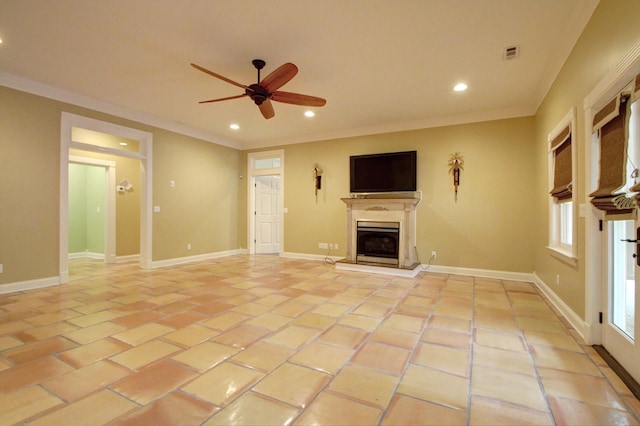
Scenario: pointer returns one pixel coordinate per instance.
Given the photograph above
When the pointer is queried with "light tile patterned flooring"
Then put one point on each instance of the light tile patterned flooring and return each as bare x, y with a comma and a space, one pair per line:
267, 340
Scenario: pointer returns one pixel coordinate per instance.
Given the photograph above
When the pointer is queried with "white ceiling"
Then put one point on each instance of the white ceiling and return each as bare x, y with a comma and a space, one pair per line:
382, 65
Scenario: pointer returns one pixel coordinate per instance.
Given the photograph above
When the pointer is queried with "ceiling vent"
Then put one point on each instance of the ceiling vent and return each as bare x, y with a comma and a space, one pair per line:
511, 52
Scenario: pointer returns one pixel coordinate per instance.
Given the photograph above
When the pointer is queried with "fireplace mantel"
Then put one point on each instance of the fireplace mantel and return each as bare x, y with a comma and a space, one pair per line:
401, 210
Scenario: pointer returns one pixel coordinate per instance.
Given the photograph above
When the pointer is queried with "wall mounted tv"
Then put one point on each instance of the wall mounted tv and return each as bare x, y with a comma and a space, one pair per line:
387, 172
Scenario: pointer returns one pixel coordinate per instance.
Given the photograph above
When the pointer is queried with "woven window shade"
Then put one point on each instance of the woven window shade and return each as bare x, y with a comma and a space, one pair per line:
562, 167
611, 123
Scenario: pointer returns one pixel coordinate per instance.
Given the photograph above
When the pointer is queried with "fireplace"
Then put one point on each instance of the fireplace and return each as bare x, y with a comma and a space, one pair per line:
377, 242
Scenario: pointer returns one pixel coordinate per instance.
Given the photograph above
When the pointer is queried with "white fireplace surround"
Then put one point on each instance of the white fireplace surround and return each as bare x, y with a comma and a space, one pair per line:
400, 210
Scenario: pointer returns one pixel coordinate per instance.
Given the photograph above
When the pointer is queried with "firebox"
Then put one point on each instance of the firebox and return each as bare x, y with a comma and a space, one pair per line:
377, 242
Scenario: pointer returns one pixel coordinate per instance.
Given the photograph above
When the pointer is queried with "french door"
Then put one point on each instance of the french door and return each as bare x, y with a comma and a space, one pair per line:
621, 333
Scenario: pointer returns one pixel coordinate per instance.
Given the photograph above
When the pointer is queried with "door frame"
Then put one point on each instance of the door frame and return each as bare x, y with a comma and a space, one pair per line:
595, 240
145, 139
252, 172
110, 202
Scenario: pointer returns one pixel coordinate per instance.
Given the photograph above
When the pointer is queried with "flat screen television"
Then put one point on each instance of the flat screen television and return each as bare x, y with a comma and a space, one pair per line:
386, 172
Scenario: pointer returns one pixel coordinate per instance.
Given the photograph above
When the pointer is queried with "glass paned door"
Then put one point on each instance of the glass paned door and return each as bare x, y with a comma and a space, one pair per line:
623, 286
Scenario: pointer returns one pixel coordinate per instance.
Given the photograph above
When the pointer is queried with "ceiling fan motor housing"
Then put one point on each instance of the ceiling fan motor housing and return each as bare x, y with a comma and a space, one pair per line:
257, 93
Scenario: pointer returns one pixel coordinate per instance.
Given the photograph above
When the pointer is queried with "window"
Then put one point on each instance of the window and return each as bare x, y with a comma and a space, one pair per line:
561, 179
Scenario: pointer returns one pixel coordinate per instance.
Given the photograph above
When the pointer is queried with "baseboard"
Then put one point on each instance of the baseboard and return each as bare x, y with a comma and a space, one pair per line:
128, 258
196, 258
305, 256
574, 319
483, 273
371, 269
86, 255
29, 285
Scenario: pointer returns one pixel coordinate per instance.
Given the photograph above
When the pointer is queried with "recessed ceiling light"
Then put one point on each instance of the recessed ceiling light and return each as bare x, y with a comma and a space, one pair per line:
309, 113
460, 87
234, 126
123, 144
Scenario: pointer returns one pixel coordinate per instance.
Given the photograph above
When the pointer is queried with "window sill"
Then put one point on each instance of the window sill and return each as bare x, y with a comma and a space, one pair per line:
564, 255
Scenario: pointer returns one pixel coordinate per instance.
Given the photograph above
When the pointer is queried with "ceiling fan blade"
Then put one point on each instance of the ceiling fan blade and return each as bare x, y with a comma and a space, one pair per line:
223, 99
279, 77
298, 99
266, 108
198, 67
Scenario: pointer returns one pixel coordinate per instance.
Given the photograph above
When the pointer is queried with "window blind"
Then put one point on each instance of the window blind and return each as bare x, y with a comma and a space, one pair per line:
562, 165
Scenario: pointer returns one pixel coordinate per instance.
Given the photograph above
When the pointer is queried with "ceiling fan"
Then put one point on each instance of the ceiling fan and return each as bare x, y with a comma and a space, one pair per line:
266, 90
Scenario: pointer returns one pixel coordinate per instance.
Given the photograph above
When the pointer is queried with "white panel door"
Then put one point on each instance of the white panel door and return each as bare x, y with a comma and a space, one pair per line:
267, 213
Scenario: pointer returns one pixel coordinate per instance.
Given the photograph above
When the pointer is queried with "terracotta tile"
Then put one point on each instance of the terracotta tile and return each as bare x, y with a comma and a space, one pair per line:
175, 408
96, 307
226, 321
144, 354
569, 412
241, 336
412, 310
545, 326
95, 318
18, 406
273, 300
580, 387
329, 409
270, 321
190, 335
498, 339
507, 386
382, 357
83, 381
360, 321
104, 407
517, 362
390, 336
293, 384
223, 383
563, 360
205, 355
365, 385
616, 382
137, 319
372, 310
8, 342
213, 308
92, 352
46, 319
30, 373
489, 412
95, 332
435, 386
343, 336
404, 322
557, 341
331, 309
292, 309
446, 338
263, 356
322, 357
45, 332
312, 320
292, 336
443, 358
405, 410
450, 323
153, 381
254, 409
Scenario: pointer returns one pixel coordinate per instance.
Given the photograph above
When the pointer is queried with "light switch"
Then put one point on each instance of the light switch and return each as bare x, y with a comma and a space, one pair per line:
156, 209
172, 183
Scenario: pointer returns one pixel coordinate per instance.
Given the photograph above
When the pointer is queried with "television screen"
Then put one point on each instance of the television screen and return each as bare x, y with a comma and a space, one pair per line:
387, 172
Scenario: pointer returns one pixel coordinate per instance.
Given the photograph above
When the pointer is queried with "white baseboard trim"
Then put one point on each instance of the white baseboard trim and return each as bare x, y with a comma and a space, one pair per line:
128, 258
581, 327
305, 256
483, 273
191, 259
86, 255
29, 285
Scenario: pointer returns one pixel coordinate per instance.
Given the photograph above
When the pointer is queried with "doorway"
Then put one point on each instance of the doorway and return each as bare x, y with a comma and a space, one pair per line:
143, 153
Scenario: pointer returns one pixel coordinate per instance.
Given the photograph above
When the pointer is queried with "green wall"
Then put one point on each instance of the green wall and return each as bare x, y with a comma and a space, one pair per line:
87, 208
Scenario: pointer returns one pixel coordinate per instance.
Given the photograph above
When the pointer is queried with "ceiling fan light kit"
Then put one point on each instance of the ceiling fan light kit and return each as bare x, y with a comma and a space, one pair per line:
266, 90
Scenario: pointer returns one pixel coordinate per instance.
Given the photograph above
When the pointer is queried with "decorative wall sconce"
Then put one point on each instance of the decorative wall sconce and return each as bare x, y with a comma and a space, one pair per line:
124, 186
456, 165
317, 179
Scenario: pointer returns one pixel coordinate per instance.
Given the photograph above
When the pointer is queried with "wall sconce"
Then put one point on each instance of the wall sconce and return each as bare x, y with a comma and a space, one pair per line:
317, 179
124, 186
456, 165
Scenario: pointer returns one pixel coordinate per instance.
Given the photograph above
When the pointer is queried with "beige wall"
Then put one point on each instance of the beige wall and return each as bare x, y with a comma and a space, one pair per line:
202, 209
488, 227
610, 34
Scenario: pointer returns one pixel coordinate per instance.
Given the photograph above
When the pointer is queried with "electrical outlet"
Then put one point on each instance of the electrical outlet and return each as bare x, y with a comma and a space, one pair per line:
1, 268
434, 254
335, 246
189, 246
557, 279
331, 246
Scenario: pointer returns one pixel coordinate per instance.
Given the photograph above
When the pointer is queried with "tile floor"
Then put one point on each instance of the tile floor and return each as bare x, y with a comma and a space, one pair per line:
267, 340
